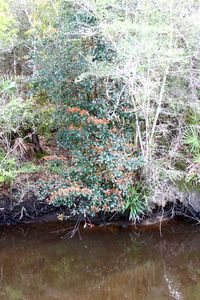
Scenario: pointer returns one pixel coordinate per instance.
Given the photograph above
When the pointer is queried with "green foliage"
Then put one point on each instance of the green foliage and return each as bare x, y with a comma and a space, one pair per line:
7, 86
10, 168
97, 179
118, 81
19, 112
6, 23
197, 158
13, 293
193, 117
125, 64
41, 154
104, 161
7, 168
21, 23
134, 204
192, 140
16, 115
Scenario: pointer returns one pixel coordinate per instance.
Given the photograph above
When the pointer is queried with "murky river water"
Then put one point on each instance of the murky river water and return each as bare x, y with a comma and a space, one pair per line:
35, 263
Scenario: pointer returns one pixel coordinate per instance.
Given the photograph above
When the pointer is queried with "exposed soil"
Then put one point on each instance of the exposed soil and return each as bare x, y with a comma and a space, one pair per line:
30, 210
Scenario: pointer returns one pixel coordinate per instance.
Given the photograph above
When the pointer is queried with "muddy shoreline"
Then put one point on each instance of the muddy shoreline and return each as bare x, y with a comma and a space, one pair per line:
32, 211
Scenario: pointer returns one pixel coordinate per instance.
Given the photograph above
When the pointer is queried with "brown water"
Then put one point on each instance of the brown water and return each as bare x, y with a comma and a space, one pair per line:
35, 263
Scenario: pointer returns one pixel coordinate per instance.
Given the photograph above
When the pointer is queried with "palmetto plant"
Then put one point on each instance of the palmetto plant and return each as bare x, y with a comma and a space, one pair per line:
192, 140
197, 158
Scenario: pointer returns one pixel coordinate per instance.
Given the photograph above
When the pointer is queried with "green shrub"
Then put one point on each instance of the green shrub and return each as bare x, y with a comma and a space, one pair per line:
118, 74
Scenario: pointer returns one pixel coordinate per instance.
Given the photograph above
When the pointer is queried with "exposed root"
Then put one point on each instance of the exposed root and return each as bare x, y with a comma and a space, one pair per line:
75, 230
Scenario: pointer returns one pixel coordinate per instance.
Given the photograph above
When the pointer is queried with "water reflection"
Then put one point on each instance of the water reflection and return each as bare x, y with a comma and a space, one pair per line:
35, 264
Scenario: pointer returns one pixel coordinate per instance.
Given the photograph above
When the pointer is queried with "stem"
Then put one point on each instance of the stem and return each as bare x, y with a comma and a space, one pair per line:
163, 84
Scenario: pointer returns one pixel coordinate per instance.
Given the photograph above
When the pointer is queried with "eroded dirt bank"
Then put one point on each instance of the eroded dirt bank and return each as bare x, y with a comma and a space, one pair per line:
30, 210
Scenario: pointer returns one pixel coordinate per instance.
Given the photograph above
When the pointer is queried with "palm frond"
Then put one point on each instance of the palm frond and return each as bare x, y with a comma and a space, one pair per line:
191, 139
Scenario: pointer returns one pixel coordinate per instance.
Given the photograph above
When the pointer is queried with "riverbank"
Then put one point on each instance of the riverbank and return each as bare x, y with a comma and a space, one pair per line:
32, 211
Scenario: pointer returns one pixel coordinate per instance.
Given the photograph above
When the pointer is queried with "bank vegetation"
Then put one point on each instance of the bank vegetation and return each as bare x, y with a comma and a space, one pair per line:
100, 107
